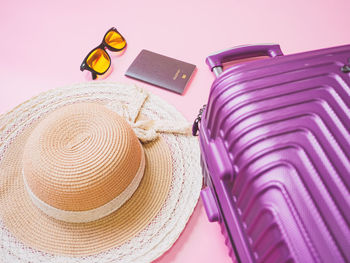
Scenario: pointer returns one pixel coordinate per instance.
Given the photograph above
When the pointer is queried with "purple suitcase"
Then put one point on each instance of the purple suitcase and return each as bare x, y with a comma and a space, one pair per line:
275, 144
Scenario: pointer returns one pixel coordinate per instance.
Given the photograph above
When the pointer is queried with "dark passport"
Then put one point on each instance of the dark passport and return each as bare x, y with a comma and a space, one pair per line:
161, 71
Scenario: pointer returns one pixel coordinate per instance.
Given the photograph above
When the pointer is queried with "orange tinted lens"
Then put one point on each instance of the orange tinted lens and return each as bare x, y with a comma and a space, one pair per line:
115, 40
98, 60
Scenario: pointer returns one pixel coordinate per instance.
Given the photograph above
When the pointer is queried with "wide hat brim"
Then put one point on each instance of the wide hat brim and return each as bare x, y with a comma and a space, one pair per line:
140, 231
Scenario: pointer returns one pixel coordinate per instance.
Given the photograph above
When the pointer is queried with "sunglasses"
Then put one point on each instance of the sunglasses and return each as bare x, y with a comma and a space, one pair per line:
98, 61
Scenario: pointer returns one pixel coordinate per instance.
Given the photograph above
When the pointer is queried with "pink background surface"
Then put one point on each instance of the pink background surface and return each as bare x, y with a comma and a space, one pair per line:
43, 43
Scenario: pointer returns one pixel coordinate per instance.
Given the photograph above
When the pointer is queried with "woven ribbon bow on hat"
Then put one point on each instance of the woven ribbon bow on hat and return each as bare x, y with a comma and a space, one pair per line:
146, 130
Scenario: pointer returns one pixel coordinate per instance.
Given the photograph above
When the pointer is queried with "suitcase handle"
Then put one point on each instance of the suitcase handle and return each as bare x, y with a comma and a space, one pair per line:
215, 61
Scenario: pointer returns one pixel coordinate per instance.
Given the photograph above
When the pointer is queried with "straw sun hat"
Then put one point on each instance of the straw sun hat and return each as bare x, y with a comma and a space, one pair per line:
96, 172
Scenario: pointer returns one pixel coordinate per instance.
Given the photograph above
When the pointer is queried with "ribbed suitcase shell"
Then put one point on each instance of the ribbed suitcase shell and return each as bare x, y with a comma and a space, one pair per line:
275, 146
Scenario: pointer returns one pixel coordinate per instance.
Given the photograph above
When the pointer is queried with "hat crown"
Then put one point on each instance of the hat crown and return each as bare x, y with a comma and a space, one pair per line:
80, 157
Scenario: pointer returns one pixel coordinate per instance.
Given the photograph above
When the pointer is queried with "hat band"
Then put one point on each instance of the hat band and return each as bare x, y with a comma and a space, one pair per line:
92, 214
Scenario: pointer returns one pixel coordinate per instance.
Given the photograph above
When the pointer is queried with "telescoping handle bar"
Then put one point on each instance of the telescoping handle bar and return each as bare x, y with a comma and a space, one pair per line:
215, 61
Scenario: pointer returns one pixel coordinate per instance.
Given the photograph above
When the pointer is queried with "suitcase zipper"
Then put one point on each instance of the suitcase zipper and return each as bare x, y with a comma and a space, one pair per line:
195, 126
345, 69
